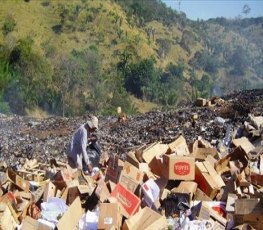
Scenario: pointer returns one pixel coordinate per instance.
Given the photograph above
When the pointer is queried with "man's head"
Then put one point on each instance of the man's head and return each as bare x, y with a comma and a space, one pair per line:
93, 124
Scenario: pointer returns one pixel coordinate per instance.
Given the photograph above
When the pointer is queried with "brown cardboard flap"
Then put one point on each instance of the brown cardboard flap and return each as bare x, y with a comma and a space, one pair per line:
146, 219
238, 154
200, 195
8, 218
102, 191
155, 150
249, 211
179, 147
49, 191
17, 180
200, 150
245, 144
32, 224
71, 217
248, 206
186, 187
207, 179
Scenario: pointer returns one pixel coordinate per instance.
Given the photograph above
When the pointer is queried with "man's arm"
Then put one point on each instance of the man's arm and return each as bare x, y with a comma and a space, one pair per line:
84, 141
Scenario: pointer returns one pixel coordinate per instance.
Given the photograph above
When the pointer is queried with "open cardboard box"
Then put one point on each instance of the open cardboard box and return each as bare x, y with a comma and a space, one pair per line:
146, 219
207, 179
186, 188
249, 211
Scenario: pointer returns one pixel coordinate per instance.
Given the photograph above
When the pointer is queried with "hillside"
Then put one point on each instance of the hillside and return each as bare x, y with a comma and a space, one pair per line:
69, 57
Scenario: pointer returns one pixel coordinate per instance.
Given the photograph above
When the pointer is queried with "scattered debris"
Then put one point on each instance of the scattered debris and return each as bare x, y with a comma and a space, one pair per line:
199, 168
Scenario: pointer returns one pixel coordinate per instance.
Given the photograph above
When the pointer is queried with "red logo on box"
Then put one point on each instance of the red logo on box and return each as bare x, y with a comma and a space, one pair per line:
182, 168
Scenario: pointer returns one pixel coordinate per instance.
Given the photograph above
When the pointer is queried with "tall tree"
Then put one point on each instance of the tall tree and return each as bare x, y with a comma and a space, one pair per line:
246, 9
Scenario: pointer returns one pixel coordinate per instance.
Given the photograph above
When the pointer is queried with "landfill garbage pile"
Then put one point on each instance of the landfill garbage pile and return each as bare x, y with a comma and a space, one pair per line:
197, 167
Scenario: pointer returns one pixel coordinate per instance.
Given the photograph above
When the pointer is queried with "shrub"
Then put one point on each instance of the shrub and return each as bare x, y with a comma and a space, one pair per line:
9, 25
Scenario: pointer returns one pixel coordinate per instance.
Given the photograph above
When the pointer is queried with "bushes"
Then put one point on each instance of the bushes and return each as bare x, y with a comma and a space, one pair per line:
9, 24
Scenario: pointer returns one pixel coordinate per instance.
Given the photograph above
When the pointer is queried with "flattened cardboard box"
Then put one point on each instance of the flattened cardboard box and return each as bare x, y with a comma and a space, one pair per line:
207, 179
177, 167
129, 203
146, 219
130, 177
109, 216
249, 211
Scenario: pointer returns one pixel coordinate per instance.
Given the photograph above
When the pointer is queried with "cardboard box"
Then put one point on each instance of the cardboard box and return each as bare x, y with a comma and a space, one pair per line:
177, 167
50, 190
245, 144
73, 193
238, 153
201, 102
249, 211
63, 178
7, 219
131, 177
17, 180
205, 212
152, 154
129, 203
186, 187
109, 216
71, 217
200, 150
179, 146
113, 171
200, 195
146, 219
256, 179
207, 179
102, 191
131, 158
32, 224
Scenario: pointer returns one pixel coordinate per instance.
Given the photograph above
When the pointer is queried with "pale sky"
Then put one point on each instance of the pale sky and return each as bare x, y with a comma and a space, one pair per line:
205, 9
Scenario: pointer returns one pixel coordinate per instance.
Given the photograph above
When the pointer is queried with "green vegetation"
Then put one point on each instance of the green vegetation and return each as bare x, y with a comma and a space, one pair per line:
72, 57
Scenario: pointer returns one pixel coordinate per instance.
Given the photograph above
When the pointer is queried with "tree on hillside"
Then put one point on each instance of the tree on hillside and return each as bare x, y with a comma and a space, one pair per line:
246, 9
65, 79
31, 77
